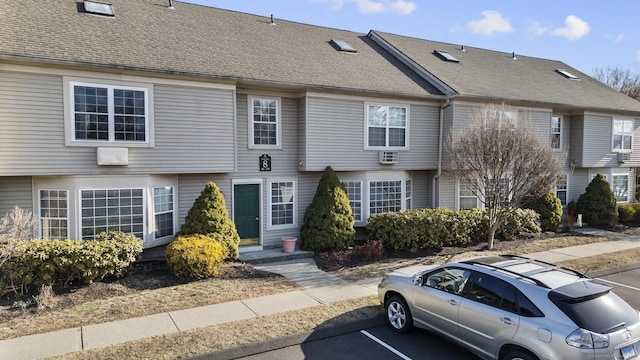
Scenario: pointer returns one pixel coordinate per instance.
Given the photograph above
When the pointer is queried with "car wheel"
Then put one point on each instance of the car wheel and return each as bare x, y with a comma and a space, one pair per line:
519, 355
398, 315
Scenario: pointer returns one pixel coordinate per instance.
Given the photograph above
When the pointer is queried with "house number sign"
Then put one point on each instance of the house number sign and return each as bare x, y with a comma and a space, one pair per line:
265, 162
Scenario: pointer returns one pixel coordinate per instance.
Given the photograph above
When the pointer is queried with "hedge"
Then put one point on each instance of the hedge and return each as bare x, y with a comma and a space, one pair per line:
434, 228
63, 262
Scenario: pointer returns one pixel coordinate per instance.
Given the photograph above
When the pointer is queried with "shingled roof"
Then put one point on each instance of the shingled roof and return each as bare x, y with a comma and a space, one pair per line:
486, 74
144, 35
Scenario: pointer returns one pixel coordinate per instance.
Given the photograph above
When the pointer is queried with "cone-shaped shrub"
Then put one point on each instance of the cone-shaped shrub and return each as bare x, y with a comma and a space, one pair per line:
598, 203
328, 221
209, 215
549, 207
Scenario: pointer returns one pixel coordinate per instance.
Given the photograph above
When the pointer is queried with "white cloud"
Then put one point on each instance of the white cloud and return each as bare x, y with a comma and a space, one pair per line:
536, 29
491, 22
619, 38
574, 29
401, 7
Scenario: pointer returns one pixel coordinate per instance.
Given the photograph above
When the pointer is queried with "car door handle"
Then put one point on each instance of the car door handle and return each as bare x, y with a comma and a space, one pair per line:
452, 302
507, 320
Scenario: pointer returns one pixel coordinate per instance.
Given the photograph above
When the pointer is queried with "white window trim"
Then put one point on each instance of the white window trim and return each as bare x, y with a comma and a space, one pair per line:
629, 189
69, 110
366, 127
458, 186
250, 143
559, 148
566, 190
407, 199
633, 126
362, 208
75, 184
39, 211
294, 225
154, 213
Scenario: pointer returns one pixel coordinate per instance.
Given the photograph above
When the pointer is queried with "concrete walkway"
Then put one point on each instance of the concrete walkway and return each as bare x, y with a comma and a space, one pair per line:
318, 288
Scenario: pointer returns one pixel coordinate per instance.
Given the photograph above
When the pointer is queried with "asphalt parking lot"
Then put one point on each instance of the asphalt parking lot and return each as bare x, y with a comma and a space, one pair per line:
377, 341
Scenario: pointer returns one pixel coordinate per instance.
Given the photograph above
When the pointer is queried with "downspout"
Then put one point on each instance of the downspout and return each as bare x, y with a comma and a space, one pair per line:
440, 147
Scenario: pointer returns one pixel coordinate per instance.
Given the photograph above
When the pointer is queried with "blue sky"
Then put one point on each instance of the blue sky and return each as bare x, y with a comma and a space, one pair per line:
585, 34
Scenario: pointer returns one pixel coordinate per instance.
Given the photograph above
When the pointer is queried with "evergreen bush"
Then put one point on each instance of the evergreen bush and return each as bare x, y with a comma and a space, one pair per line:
629, 212
598, 204
209, 216
549, 207
195, 256
328, 221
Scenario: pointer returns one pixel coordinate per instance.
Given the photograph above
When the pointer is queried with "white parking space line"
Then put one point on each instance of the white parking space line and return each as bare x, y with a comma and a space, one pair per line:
615, 283
387, 346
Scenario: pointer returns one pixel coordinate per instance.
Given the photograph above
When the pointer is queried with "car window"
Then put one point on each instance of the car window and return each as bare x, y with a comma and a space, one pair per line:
526, 306
451, 280
492, 291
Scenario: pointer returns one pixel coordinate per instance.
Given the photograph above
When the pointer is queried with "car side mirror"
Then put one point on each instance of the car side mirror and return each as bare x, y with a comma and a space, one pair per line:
417, 280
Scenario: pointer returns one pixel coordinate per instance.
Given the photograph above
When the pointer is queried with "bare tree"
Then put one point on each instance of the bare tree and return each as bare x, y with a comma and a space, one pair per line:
620, 80
18, 224
502, 161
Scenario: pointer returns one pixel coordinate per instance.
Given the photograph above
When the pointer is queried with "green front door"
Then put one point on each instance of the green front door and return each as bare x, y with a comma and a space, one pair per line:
246, 213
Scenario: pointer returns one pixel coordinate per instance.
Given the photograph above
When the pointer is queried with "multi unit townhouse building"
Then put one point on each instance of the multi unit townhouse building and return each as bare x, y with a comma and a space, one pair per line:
115, 116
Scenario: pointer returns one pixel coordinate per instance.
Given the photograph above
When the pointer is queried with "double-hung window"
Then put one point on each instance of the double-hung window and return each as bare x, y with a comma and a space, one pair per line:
163, 211
502, 117
556, 132
408, 190
54, 217
282, 203
264, 123
109, 113
466, 197
622, 134
561, 188
354, 193
387, 126
620, 187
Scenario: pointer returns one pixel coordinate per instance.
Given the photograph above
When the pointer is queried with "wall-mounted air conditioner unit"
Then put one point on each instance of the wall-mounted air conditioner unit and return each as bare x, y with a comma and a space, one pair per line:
624, 157
388, 157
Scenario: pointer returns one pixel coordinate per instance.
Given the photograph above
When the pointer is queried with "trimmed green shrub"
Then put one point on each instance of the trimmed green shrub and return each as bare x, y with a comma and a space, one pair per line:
195, 256
549, 207
328, 221
209, 216
629, 212
62, 262
598, 204
435, 228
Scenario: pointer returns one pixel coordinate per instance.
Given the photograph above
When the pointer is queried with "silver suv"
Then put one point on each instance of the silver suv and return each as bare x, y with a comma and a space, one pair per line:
511, 307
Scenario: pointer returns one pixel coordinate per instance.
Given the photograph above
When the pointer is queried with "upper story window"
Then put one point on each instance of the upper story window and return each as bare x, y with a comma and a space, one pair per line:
109, 113
387, 126
622, 134
264, 123
556, 132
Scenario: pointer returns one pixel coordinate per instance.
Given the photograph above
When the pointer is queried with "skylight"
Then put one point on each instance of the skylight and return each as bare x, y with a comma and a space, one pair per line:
445, 56
97, 8
567, 74
343, 45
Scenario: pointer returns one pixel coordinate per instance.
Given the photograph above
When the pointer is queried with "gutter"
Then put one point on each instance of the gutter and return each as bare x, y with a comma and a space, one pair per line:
440, 150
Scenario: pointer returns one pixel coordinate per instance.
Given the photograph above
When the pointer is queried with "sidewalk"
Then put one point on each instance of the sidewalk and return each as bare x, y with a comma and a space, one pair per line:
318, 288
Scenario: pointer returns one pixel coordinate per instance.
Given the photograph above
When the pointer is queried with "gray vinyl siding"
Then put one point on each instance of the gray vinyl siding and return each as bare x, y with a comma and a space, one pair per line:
596, 151
448, 192
577, 143
578, 181
193, 130
335, 136
422, 189
15, 191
